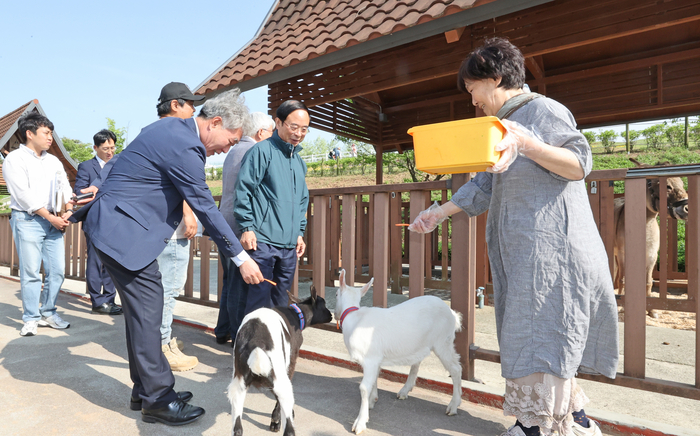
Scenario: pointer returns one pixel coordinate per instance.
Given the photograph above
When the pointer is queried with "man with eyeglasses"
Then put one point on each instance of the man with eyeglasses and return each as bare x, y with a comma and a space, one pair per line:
99, 284
270, 207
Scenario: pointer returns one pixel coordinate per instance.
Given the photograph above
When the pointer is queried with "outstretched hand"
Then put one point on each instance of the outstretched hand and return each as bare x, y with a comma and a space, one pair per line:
429, 219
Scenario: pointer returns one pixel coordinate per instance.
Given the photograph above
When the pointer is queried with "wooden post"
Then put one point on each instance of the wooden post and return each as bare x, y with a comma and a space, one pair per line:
379, 175
319, 245
347, 256
381, 248
334, 240
464, 279
395, 257
663, 246
627, 138
686, 137
692, 258
359, 238
635, 280
416, 250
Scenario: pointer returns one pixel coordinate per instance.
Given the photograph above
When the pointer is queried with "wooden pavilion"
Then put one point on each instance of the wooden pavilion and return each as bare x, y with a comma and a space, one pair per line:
9, 140
371, 70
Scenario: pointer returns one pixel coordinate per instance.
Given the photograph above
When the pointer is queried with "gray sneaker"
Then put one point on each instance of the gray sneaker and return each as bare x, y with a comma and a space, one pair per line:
29, 328
54, 321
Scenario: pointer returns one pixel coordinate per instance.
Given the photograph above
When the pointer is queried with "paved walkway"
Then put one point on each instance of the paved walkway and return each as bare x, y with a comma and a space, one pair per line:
76, 382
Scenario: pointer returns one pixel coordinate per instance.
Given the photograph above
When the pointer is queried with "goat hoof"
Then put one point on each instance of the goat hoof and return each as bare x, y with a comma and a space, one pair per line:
402, 395
358, 428
451, 410
275, 426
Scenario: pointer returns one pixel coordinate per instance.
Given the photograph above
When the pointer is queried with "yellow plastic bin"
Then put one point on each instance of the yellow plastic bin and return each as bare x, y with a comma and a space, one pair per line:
457, 146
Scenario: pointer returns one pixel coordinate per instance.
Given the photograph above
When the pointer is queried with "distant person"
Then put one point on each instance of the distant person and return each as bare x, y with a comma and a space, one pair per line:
270, 206
354, 150
233, 298
331, 154
337, 153
35, 180
176, 100
141, 199
99, 284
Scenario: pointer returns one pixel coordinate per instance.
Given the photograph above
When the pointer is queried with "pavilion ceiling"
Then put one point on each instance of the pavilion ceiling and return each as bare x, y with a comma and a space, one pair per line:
608, 61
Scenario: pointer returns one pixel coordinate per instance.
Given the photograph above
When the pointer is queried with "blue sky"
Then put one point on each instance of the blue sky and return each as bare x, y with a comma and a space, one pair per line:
86, 60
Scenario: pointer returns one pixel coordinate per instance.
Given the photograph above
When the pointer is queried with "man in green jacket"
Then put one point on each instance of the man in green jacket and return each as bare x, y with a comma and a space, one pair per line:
270, 208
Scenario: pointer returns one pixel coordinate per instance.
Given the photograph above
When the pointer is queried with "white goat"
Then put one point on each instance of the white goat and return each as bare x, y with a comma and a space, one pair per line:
400, 335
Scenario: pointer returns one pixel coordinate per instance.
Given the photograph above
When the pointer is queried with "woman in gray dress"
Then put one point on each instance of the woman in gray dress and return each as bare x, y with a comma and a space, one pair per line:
553, 294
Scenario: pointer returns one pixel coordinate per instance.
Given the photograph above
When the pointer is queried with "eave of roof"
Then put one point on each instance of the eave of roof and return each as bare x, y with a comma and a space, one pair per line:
383, 36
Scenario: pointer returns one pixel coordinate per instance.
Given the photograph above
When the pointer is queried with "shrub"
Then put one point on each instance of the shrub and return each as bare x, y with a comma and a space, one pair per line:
654, 135
607, 139
590, 137
634, 137
675, 133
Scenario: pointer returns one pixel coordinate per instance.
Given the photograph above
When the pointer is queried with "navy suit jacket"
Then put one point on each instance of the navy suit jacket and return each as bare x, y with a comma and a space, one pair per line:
139, 204
87, 172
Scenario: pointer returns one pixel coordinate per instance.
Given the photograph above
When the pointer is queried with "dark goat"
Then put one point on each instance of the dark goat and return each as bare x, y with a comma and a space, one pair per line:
265, 355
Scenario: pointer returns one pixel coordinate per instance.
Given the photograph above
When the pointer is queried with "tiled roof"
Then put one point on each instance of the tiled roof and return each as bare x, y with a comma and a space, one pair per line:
8, 120
300, 30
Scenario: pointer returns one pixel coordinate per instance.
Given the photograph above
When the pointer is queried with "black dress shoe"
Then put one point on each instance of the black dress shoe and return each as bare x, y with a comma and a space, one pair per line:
117, 309
184, 396
176, 413
223, 339
107, 309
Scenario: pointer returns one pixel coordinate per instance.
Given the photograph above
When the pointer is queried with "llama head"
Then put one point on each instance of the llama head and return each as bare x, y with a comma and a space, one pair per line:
347, 296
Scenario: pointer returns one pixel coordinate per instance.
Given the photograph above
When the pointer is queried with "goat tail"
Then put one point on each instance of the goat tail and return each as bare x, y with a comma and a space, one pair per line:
259, 363
458, 321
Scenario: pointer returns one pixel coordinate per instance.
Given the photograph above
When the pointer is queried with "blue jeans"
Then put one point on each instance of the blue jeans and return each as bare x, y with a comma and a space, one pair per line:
172, 263
37, 240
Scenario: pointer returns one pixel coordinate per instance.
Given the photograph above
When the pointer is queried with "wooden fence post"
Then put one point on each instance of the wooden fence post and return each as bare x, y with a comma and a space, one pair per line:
416, 249
347, 257
319, 244
381, 248
635, 283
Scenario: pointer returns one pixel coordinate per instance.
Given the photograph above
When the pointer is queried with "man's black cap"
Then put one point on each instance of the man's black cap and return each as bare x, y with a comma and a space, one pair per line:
174, 90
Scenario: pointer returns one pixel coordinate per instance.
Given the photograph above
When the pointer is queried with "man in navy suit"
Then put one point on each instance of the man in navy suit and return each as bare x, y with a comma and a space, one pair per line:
131, 219
99, 284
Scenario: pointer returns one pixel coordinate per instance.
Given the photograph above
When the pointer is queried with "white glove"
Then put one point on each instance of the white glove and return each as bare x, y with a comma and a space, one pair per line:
513, 143
429, 219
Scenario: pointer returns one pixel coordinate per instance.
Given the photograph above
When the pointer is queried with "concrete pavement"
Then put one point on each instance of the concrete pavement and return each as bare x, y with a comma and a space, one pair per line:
76, 382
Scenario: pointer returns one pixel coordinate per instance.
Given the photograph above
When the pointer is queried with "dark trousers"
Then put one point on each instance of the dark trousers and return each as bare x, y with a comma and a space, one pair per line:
141, 294
276, 264
99, 283
232, 302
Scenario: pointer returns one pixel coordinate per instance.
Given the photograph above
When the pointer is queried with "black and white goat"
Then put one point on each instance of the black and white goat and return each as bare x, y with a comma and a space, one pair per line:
400, 335
265, 355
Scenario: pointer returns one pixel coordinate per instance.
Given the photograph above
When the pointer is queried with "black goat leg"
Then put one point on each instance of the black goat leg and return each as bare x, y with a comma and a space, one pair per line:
276, 418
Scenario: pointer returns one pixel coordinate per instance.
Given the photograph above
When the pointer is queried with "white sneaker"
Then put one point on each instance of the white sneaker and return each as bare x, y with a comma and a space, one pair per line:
29, 328
515, 430
592, 430
54, 321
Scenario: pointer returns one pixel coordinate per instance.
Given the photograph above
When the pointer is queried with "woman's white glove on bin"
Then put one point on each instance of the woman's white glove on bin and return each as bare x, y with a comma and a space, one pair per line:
513, 143
429, 219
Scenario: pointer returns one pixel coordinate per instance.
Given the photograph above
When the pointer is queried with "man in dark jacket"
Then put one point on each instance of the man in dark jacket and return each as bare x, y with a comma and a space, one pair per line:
270, 206
99, 284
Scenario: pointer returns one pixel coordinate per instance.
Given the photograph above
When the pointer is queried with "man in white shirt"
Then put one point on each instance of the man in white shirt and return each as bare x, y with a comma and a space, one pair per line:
38, 188
99, 283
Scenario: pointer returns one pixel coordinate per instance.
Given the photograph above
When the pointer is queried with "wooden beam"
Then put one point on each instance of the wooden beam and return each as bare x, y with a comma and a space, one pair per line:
320, 265
454, 35
536, 66
380, 248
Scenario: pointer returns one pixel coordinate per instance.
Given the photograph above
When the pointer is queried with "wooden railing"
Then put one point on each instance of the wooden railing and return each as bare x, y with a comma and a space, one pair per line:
367, 215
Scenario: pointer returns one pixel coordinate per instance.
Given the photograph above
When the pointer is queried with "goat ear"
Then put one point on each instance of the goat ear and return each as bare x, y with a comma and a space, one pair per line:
313, 294
292, 299
366, 287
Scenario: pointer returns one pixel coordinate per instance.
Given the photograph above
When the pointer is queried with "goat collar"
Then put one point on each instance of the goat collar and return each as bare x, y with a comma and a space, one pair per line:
300, 313
345, 313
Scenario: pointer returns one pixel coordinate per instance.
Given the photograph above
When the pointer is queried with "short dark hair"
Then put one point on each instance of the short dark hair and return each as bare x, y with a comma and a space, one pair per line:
103, 136
496, 58
288, 107
31, 121
165, 108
